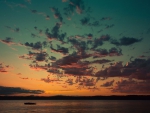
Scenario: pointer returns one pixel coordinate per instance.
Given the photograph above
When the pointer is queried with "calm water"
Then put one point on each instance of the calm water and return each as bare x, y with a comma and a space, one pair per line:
72, 106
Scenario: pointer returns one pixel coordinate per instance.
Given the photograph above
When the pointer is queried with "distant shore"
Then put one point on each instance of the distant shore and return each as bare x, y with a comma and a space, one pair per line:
114, 97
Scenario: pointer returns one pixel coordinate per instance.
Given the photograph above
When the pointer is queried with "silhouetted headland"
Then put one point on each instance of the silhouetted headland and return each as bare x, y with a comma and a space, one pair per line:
113, 97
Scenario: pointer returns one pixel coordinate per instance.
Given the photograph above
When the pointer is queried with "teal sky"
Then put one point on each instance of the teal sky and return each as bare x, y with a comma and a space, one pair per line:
74, 47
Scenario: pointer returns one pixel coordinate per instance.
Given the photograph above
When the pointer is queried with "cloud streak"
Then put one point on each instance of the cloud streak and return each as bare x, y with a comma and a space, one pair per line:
17, 90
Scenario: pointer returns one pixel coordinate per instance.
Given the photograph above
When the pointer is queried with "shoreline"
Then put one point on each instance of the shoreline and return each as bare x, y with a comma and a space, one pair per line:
128, 97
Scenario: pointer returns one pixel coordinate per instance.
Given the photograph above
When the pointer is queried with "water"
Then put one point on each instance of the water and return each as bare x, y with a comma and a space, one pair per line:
75, 106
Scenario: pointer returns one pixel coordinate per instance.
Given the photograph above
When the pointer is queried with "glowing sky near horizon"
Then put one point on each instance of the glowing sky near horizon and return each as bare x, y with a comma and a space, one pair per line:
74, 47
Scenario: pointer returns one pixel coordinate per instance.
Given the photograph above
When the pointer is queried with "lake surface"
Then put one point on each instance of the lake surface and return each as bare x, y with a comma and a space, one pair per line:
75, 106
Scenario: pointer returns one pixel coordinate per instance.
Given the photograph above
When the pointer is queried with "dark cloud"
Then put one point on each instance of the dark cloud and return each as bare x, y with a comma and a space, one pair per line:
40, 13
13, 29
35, 66
105, 37
48, 80
138, 69
108, 84
69, 81
17, 90
55, 34
129, 40
103, 52
35, 56
52, 58
94, 88
41, 56
88, 83
59, 49
125, 41
7, 40
97, 42
132, 87
95, 24
101, 61
34, 11
109, 26
106, 18
102, 73
100, 53
34, 35
85, 20
57, 14
111, 71
90, 35
5, 68
74, 6
115, 52
71, 63
34, 46
73, 71
63, 49
17, 30
115, 42
71, 59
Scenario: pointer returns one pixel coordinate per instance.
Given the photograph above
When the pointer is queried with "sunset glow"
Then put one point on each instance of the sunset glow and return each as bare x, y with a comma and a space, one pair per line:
74, 47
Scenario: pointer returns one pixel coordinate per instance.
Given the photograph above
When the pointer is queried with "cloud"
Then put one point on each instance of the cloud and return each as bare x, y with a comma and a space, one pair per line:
102, 61
113, 70
34, 46
48, 80
108, 84
40, 13
55, 33
5, 69
97, 42
62, 50
105, 37
140, 69
14, 30
57, 14
17, 90
41, 56
129, 40
106, 18
94, 24
8, 41
100, 53
115, 52
93, 88
137, 68
109, 26
71, 63
132, 87
87, 83
85, 20
35, 56
103, 52
81, 54
125, 41
52, 58
69, 81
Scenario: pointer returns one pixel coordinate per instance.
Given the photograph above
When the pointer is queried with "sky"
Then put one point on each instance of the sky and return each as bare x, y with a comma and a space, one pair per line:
74, 47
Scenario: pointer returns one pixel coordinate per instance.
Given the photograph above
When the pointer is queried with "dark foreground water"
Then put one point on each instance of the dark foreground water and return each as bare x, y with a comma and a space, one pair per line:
75, 106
